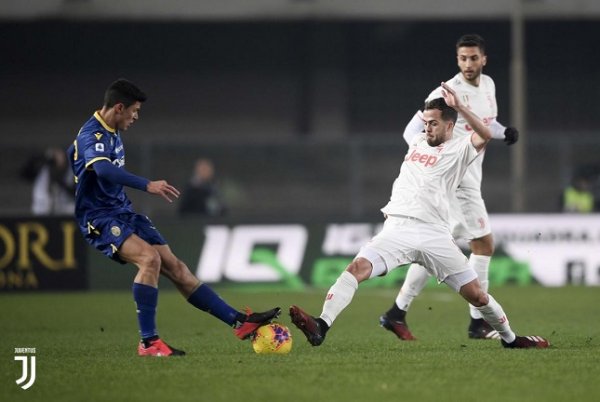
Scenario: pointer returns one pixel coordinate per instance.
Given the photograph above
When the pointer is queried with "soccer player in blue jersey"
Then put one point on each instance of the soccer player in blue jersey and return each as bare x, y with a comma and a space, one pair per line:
108, 222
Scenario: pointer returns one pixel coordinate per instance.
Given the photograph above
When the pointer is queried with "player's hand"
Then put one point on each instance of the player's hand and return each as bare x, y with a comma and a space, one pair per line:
164, 189
511, 135
450, 97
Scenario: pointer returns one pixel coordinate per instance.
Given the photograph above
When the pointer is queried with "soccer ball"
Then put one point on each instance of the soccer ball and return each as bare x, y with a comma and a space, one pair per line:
272, 338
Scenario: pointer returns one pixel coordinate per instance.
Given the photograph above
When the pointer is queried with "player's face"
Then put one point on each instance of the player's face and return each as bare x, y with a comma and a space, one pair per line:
471, 62
127, 115
437, 130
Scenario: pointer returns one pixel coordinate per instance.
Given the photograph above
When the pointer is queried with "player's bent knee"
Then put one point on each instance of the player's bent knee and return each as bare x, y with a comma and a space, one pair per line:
149, 260
480, 300
360, 268
483, 246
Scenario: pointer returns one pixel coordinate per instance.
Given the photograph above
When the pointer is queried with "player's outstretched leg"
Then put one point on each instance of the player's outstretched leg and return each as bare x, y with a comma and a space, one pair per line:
313, 328
244, 324
527, 342
252, 321
494, 315
158, 348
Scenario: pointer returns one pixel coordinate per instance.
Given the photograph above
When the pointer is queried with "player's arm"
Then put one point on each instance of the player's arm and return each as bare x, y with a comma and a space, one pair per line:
510, 135
482, 134
110, 172
414, 127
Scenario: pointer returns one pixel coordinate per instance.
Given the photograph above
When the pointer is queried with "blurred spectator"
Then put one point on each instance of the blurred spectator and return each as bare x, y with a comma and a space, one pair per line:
201, 195
578, 197
53, 185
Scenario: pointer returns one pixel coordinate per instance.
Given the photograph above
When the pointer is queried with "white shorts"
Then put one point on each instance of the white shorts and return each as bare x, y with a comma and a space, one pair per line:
404, 240
468, 216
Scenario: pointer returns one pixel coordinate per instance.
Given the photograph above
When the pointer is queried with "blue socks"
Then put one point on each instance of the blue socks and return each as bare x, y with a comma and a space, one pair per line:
205, 299
146, 299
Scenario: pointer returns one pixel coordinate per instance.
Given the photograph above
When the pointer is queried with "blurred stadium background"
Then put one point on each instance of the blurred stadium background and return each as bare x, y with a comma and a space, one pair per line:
311, 93
301, 105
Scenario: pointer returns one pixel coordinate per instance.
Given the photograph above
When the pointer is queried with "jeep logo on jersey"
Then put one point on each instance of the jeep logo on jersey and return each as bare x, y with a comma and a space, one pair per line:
425, 159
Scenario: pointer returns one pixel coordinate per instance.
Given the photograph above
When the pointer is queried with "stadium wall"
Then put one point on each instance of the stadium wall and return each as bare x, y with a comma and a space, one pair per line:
42, 254
549, 250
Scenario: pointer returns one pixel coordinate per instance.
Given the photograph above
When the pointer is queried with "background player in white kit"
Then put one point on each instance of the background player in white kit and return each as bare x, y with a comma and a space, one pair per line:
417, 228
468, 214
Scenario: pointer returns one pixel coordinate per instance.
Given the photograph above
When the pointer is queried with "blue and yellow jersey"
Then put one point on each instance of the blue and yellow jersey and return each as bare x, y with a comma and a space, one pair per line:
95, 196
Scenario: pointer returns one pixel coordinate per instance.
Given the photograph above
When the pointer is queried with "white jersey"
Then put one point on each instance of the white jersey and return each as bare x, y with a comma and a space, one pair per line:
429, 177
480, 100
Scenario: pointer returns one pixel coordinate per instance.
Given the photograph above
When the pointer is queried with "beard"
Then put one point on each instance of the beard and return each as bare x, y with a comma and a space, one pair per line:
434, 141
471, 76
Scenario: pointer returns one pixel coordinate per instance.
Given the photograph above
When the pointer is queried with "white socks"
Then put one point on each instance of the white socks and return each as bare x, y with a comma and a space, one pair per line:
415, 281
495, 316
481, 265
339, 297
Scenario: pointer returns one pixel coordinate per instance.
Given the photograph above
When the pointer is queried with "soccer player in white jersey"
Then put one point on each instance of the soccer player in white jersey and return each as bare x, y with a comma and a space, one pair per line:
417, 228
469, 217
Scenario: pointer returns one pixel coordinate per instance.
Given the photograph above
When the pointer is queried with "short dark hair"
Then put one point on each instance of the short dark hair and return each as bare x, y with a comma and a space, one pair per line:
471, 40
448, 113
123, 91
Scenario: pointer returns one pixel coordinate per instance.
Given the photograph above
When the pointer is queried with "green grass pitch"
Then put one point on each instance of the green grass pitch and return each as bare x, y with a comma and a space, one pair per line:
86, 350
